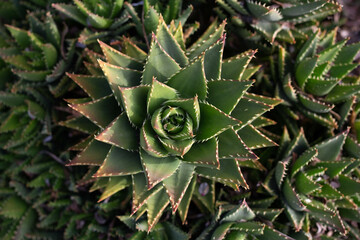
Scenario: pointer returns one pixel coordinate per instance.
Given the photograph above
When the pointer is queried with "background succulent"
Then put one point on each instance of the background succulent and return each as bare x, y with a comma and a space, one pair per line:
242, 222
315, 183
172, 107
285, 21
317, 80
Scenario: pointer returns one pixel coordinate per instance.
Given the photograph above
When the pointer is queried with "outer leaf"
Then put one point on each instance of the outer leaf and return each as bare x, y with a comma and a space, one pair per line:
119, 162
226, 94
204, 154
134, 102
157, 169
120, 133
190, 81
159, 64
101, 111
213, 122
93, 154
177, 184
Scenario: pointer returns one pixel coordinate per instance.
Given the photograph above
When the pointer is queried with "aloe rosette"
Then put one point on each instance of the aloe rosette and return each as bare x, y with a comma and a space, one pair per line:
160, 119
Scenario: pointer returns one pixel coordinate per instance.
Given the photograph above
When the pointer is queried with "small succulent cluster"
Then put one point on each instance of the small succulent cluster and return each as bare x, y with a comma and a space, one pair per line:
281, 21
225, 120
318, 80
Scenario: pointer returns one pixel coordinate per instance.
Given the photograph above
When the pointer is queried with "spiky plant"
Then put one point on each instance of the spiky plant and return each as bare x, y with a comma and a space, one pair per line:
38, 56
317, 183
275, 21
160, 119
316, 78
241, 222
101, 19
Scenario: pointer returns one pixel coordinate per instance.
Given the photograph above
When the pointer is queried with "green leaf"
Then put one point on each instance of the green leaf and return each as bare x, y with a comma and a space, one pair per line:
334, 168
12, 99
156, 204
347, 53
302, 9
238, 214
157, 169
114, 57
13, 207
190, 81
133, 51
341, 70
120, 77
134, 101
158, 94
95, 86
291, 198
21, 36
50, 55
269, 214
304, 70
309, 48
185, 201
348, 186
213, 60
211, 36
226, 94
101, 111
177, 147
296, 217
169, 44
119, 162
27, 223
203, 154
249, 227
213, 122
233, 68
249, 108
229, 173
71, 11
304, 184
232, 146
115, 185
273, 234
36, 110
329, 54
177, 184
330, 149
303, 160
158, 64
52, 32
35, 76
342, 91
81, 124
221, 230
120, 133
314, 105
320, 86
280, 172
253, 138
141, 192
93, 155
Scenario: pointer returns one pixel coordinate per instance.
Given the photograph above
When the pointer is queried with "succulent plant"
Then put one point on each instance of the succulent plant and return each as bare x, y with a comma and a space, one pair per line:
38, 56
281, 21
242, 222
102, 19
318, 79
158, 120
315, 183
